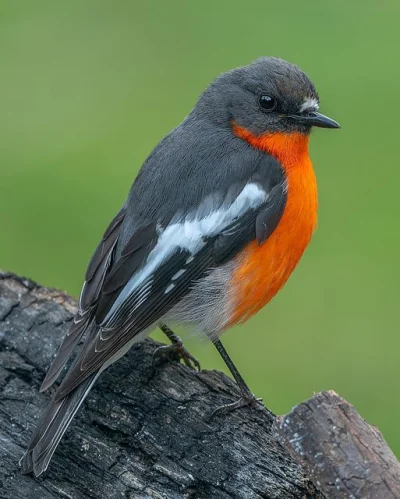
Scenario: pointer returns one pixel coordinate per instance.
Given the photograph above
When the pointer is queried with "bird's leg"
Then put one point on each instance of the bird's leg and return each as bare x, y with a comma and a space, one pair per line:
247, 397
176, 351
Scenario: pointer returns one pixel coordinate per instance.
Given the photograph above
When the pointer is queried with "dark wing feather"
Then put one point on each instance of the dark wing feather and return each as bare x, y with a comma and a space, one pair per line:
254, 224
100, 262
269, 215
94, 279
131, 319
133, 257
160, 292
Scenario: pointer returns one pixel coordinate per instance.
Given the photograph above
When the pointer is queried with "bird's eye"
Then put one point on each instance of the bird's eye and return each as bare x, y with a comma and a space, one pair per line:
267, 103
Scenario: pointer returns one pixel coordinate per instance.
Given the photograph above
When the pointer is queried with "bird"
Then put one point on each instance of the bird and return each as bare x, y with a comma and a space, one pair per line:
215, 222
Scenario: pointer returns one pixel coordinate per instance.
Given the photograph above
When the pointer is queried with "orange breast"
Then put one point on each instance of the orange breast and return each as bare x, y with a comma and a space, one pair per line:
263, 270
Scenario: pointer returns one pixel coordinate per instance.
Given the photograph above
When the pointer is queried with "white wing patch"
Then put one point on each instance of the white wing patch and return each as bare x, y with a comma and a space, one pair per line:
169, 288
309, 104
178, 274
188, 233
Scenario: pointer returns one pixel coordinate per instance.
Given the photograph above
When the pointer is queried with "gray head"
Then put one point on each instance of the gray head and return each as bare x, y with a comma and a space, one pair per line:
268, 95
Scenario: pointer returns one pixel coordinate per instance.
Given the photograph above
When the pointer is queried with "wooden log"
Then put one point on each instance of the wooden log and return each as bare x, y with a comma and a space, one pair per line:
345, 456
147, 433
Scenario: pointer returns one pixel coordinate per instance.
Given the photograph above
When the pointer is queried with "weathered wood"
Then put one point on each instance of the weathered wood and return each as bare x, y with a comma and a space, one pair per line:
142, 433
146, 433
344, 455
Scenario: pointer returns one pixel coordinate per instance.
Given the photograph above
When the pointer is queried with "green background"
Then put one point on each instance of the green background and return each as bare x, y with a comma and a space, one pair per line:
87, 88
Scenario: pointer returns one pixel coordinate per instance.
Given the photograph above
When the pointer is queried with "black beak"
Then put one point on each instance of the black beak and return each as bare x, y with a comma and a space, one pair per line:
315, 119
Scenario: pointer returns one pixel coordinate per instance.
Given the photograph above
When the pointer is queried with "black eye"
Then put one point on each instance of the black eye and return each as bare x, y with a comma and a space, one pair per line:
267, 103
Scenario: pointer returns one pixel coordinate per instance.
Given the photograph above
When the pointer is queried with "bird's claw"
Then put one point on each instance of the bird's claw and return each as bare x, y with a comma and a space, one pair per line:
175, 353
244, 401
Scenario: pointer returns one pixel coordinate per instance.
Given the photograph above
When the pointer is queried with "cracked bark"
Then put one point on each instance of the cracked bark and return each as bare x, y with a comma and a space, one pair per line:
145, 433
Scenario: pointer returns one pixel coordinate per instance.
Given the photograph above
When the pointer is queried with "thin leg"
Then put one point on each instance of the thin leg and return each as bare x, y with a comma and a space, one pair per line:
233, 369
247, 397
176, 351
174, 338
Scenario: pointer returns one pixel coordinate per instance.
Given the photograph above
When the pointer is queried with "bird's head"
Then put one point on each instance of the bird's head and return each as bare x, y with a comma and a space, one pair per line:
267, 96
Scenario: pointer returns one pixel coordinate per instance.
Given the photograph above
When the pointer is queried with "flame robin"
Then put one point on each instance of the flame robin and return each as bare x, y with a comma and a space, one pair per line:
214, 224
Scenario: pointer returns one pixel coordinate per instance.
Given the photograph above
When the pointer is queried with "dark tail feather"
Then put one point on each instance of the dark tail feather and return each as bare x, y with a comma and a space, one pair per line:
69, 343
51, 428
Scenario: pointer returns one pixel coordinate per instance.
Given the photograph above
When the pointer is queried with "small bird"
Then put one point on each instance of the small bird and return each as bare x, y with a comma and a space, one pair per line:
214, 224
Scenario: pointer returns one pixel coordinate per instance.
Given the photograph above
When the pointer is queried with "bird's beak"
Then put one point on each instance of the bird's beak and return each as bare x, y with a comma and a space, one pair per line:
315, 119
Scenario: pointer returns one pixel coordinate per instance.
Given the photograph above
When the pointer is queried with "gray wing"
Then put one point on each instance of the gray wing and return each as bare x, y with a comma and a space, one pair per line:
160, 264
96, 273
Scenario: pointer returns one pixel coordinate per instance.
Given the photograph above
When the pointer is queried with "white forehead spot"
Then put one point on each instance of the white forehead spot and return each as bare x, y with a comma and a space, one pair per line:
309, 104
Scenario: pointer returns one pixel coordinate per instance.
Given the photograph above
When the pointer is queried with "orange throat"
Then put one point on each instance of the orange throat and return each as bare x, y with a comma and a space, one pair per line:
261, 271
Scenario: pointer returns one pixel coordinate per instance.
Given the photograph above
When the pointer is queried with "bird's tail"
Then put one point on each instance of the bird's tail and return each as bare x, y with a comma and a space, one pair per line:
51, 428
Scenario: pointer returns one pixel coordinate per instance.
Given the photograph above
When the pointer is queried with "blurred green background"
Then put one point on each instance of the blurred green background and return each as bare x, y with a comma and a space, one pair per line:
88, 88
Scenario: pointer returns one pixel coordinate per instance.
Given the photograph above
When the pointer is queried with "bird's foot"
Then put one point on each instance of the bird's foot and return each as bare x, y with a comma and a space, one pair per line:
175, 353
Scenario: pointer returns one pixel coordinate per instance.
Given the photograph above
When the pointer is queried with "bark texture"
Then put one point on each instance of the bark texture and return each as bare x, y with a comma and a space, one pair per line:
344, 455
146, 433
